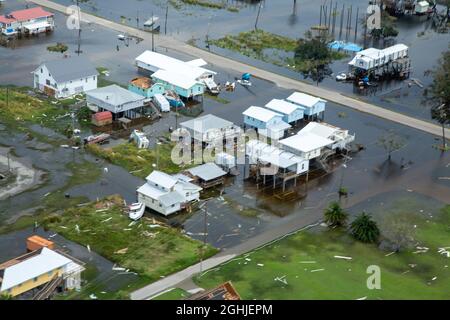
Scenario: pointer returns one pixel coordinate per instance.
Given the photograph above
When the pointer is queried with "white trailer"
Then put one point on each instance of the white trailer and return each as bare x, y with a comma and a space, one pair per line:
161, 102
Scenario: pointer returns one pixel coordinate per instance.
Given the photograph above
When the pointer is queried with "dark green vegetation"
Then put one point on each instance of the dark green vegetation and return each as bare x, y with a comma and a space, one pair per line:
177, 4
59, 47
335, 216
303, 55
139, 161
364, 229
148, 249
438, 94
303, 266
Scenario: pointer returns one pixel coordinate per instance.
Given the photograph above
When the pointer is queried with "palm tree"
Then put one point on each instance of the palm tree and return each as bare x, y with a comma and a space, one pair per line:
365, 229
335, 216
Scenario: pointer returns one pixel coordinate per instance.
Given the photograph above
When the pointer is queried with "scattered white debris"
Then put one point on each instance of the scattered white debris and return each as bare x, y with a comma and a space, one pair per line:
434, 278
118, 268
106, 220
47, 194
64, 146
343, 257
77, 228
317, 270
127, 229
362, 298
64, 227
281, 279
389, 254
444, 251
93, 296
248, 259
260, 265
157, 226
307, 262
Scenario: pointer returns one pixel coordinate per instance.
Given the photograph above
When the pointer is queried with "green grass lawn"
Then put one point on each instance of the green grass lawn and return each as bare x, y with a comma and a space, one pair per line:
141, 247
139, 161
174, 294
306, 261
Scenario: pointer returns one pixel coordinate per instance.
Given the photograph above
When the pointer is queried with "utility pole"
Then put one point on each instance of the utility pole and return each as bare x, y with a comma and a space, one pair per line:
137, 19
153, 34
257, 16
356, 23
79, 28
165, 21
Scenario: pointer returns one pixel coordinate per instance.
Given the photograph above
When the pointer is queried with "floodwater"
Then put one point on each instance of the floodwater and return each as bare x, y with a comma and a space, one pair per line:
53, 161
417, 168
291, 18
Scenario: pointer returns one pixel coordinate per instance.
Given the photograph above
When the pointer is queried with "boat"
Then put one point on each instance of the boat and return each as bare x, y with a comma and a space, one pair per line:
121, 37
341, 77
100, 139
245, 80
136, 210
174, 99
211, 86
152, 24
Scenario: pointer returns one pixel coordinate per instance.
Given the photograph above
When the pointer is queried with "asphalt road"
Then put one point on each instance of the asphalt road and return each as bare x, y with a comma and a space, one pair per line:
239, 67
282, 81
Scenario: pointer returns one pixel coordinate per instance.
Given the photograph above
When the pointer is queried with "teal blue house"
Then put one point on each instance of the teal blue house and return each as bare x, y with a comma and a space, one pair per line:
145, 87
185, 87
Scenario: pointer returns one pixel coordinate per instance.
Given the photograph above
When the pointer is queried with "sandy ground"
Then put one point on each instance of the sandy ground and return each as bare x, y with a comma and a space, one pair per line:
27, 176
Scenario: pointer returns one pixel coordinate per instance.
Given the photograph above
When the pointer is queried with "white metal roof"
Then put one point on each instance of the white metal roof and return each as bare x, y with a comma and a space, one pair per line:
306, 142
171, 198
115, 95
205, 123
47, 260
161, 61
323, 130
260, 113
282, 106
304, 99
162, 179
150, 191
175, 78
207, 171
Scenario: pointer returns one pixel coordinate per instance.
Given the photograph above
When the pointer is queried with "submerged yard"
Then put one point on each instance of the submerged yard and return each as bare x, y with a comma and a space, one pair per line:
140, 162
271, 48
149, 248
304, 266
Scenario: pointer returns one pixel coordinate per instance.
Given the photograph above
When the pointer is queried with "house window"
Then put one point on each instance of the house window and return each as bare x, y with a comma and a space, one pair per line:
173, 206
35, 279
47, 82
42, 70
86, 80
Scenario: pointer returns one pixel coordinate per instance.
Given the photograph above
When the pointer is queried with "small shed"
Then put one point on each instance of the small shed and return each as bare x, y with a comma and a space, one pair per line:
207, 175
100, 119
36, 242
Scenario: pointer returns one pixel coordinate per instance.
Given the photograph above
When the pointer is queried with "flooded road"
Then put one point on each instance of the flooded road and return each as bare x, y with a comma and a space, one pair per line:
190, 22
244, 210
